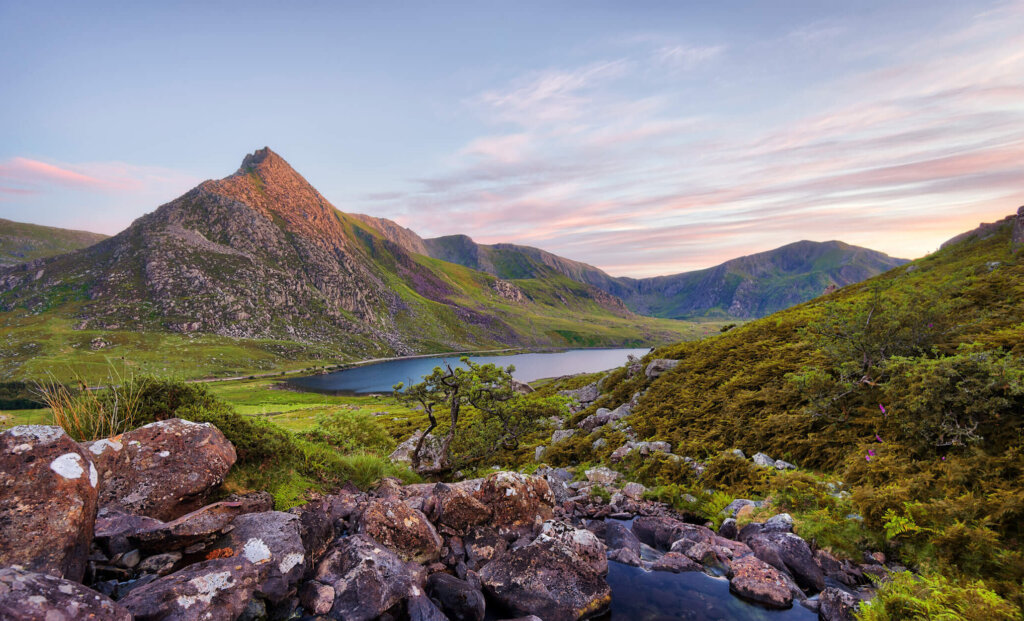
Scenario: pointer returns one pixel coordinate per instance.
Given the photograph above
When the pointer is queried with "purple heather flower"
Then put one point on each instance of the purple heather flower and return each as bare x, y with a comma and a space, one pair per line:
943, 458
881, 407
879, 438
870, 452
867, 458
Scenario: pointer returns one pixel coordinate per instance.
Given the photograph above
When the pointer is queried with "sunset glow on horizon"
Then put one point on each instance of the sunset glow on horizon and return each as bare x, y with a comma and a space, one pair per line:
647, 140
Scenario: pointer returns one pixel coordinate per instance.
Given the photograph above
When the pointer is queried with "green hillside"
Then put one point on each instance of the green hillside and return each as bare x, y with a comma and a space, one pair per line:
907, 391
20, 242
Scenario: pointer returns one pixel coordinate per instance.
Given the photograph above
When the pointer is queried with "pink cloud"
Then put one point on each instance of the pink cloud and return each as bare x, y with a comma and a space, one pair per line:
27, 171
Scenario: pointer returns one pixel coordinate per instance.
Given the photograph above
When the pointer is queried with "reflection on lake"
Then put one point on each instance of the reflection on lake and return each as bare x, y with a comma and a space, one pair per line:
380, 377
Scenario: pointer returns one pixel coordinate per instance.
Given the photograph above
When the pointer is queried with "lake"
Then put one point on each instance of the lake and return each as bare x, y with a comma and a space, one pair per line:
380, 377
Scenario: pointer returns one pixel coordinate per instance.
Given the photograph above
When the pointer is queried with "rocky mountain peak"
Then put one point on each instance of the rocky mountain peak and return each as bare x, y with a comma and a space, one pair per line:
257, 157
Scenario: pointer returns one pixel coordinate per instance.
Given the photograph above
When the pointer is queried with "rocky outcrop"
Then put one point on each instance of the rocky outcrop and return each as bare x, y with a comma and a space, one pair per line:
215, 590
405, 530
518, 502
458, 599
29, 596
162, 470
757, 581
542, 579
455, 509
784, 551
272, 542
1017, 240
48, 492
360, 579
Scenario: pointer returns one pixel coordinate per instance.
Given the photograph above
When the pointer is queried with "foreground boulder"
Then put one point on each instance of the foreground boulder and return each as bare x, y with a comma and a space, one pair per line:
757, 581
786, 552
48, 492
457, 598
216, 590
403, 529
162, 470
192, 530
518, 502
28, 596
456, 509
582, 545
541, 579
272, 541
359, 580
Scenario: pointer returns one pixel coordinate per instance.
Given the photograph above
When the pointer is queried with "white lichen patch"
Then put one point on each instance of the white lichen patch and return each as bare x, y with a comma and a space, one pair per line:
21, 448
94, 477
289, 561
68, 465
164, 453
206, 588
99, 446
256, 551
42, 434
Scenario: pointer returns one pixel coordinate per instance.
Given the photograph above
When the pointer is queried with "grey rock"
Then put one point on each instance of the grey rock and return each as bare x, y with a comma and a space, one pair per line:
457, 598
603, 475
432, 457
763, 460
215, 590
657, 367
30, 596
272, 542
562, 434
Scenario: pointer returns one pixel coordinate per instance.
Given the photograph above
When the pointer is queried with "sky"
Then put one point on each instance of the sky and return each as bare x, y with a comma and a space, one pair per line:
644, 138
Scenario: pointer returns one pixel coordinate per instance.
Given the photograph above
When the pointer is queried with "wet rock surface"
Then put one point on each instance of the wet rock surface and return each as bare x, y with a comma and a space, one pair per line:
757, 581
48, 495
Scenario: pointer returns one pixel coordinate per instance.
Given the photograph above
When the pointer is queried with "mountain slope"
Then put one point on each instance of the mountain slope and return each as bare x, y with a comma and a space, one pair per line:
261, 254
20, 242
905, 391
746, 287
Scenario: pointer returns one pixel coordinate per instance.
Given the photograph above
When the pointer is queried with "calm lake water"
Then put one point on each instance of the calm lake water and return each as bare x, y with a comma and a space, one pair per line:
380, 377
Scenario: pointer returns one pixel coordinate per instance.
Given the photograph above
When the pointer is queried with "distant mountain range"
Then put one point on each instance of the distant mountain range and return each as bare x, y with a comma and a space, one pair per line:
21, 242
748, 287
261, 254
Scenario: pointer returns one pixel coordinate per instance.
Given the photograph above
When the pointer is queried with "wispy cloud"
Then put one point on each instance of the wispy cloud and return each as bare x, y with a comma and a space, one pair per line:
607, 164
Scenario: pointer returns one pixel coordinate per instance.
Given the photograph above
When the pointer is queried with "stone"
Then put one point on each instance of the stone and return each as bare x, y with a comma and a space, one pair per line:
603, 475
457, 598
676, 563
113, 527
521, 388
738, 453
760, 459
562, 434
662, 532
585, 395
317, 523
598, 444
215, 590
406, 531
199, 527
483, 544
538, 453
625, 556
784, 465
1017, 237
538, 579
30, 596
419, 607
757, 581
635, 491
782, 522
837, 605
253, 502
456, 509
580, 544
518, 502
359, 579
657, 367
432, 456
728, 528
162, 470
603, 416
160, 564
618, 537
48, 496
735, 506
786, 552
272, 542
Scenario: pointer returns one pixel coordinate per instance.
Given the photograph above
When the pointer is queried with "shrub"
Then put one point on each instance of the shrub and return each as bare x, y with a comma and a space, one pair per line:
923, 598
352, 431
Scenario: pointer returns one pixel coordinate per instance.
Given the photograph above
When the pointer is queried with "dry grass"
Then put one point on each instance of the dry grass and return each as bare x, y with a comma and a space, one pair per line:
90, 413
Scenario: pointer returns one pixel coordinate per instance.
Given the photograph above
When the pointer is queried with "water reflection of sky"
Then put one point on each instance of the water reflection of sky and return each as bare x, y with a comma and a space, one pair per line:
382, 376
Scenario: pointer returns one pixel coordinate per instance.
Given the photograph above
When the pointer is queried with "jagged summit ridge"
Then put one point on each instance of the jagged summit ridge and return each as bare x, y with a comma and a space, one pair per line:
254, 159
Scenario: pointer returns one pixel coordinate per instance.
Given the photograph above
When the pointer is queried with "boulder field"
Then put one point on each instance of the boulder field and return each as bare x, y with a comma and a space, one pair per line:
123, 528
